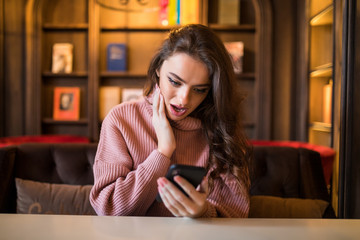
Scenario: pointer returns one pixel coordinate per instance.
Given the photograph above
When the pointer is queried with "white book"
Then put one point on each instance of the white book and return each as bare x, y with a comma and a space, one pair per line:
62, 58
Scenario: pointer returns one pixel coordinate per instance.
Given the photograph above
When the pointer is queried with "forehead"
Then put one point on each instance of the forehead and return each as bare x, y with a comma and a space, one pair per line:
186, 67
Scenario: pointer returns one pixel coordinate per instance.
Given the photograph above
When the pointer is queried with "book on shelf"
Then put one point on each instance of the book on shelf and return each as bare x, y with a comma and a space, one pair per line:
62, 58
109, 97
116, 57
163, 12
178, 11
229, 12
173, 12
327, 102
189, 11
131, 94
236, 51
66, 103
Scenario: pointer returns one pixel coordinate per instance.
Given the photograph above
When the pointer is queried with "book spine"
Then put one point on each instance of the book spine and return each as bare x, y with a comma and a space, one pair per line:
178, 11
189, 11
172, 12
163, 12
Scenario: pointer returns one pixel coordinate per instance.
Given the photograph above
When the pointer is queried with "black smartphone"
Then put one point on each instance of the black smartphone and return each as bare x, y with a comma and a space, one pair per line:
192, 174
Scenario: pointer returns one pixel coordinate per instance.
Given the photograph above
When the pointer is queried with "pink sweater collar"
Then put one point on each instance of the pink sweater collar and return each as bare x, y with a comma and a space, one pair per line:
186, 124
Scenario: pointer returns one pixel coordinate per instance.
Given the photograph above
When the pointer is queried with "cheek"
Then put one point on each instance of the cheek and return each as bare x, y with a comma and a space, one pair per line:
166, 92
198, 100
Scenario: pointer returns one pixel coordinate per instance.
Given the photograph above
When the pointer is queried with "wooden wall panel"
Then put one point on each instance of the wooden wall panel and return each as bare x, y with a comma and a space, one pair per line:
349, 178
2, 116
283, 71
14, 67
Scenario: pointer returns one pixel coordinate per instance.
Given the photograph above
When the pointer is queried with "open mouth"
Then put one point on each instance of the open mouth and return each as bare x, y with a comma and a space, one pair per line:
178, 109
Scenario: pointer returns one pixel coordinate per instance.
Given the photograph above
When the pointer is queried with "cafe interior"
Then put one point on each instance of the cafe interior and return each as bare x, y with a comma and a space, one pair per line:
295, 62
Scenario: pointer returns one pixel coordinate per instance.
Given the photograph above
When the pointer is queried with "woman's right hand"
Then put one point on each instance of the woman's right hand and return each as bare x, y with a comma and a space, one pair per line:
164, 132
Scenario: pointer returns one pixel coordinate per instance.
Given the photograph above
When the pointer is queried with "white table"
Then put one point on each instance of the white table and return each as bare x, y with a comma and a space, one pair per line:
17, 226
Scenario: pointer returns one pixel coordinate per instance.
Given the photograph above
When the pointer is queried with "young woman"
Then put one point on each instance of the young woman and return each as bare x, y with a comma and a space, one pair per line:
190, 115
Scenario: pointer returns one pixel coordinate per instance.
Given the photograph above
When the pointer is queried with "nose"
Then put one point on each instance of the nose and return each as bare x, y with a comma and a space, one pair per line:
184, 96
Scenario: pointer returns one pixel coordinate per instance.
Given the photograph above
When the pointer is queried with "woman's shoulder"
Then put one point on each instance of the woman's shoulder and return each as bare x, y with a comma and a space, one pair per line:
126, 109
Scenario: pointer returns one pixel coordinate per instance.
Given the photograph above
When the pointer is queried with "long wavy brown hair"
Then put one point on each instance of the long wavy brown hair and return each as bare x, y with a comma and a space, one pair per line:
220, 112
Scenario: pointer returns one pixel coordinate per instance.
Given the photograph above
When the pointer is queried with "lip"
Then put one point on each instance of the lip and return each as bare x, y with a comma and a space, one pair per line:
177, 110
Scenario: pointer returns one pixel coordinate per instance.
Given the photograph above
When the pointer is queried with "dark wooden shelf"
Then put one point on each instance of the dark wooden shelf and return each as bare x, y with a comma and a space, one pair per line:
65, 75
216, 27
51, 121
322, 71
250, 76
324, 17
65, 27
136, 29
236, 28
106, 74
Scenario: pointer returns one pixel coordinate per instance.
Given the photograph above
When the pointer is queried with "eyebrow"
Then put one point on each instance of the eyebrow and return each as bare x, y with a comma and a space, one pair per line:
182, 80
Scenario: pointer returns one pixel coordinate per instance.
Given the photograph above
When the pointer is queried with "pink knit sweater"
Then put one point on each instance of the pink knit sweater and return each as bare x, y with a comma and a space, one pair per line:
127, 165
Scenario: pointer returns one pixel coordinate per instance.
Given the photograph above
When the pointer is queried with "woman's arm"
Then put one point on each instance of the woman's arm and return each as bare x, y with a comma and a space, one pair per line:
229, 198
119, 189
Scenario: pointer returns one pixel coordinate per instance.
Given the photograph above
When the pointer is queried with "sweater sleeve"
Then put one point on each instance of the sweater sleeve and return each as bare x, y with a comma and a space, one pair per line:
119, 189
229, 198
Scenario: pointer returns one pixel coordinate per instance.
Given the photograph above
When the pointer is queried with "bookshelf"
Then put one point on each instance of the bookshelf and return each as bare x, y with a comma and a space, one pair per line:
320, 73
62, 21
90, 27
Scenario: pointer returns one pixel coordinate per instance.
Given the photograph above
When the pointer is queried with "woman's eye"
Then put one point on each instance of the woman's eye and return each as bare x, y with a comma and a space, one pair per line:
200, 90
173, 82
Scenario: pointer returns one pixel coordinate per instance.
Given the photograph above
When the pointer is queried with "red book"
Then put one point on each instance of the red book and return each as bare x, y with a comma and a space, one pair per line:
66, 103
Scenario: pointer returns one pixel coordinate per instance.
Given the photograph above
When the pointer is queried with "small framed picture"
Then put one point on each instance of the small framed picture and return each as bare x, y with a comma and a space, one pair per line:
66, 103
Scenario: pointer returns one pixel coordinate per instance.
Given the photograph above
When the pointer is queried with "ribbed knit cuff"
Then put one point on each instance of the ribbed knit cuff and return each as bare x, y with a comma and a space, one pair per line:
157, 161
210, 211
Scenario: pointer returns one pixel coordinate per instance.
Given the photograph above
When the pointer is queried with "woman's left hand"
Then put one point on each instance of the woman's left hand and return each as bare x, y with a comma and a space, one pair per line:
178, 203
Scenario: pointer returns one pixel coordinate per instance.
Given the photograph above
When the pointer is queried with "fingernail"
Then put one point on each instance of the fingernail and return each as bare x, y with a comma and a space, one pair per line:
177, 179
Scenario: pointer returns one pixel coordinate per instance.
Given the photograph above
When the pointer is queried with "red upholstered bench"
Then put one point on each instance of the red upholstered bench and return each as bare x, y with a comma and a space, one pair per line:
6, 141
327, 154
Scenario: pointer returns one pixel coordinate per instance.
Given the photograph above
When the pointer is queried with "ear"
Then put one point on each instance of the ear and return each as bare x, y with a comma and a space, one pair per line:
157, 73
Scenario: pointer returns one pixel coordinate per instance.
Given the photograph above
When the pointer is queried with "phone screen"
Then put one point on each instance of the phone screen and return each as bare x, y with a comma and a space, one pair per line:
192, 174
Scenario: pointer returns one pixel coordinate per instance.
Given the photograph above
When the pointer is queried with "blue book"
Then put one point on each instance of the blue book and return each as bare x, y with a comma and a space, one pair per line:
116, 57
